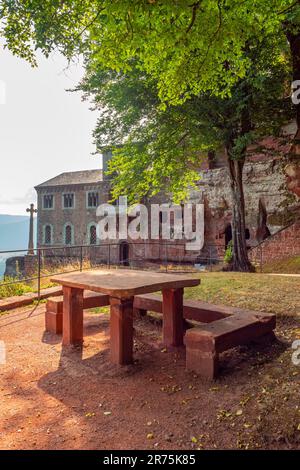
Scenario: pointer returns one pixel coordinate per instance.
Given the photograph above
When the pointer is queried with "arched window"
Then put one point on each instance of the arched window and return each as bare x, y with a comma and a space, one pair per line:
93, 235
47, 235
68, 234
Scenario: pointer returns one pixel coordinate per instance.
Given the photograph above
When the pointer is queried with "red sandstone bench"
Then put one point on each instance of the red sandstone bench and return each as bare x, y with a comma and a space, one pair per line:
204, 343
192, 310
218, 327
54, 309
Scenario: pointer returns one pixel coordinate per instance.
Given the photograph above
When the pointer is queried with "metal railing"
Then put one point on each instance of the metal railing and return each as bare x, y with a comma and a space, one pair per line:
46, 262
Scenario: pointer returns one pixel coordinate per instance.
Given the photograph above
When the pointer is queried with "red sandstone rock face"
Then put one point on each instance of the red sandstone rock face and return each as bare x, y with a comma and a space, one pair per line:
292, 172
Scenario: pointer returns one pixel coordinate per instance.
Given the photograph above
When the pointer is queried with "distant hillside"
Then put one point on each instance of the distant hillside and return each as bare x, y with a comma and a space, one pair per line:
14, 230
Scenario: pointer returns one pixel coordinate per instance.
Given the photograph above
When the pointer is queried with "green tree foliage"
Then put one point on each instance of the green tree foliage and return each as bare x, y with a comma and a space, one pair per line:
188, 47
159, 148
189, 51
154, 149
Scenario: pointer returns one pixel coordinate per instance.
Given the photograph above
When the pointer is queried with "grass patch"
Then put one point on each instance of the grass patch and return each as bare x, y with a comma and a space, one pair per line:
261, 292
39, 302
276, 294
287, 266
98, 310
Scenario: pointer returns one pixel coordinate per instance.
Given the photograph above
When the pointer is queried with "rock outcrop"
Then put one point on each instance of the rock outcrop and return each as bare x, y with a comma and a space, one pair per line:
292, 171
270, 203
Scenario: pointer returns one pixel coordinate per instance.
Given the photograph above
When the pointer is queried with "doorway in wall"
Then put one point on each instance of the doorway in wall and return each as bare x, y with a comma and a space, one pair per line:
228, 235
124, 254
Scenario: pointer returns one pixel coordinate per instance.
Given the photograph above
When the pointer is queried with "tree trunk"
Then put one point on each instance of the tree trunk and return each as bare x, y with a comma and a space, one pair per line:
292, 170
240, 261
294, 41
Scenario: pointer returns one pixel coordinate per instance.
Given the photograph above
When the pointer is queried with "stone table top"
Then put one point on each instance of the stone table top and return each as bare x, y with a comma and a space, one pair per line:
124, 283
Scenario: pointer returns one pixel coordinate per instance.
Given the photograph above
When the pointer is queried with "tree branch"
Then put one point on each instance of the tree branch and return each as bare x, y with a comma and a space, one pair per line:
286, 10
182, 138
194, 14
89, 24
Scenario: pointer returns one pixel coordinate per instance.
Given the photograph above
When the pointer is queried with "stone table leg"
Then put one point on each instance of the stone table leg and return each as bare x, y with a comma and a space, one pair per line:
72, 316
121, 330
173, 322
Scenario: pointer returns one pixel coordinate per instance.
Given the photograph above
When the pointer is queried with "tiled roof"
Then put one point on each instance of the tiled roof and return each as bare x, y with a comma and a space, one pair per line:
74, 177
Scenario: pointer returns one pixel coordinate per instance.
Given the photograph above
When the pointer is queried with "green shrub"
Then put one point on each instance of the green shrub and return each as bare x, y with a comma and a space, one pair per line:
228, 253
10, 290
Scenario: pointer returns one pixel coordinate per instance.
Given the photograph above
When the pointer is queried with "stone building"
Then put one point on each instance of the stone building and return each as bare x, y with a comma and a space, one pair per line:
67, 208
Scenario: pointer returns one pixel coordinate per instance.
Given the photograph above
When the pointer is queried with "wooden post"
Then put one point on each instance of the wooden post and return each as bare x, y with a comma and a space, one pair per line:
72, 316
121, 330
173, 322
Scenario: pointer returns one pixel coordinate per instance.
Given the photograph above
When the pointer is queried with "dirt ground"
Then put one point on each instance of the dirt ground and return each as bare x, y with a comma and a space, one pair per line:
77, 400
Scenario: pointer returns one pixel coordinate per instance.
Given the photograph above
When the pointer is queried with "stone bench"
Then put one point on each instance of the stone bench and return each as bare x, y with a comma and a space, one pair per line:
204, 343
54, 309
192, 310
218, 328
195, 310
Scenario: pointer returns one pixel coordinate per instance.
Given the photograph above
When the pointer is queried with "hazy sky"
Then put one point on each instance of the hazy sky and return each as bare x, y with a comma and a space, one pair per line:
44, 130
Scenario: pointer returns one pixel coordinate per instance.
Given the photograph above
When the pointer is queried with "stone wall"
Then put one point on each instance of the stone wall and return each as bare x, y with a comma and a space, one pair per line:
79, 217
21, 266
15, 266
282, 245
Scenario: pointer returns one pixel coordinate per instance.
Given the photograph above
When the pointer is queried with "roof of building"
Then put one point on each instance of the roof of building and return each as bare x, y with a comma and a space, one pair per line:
74, 177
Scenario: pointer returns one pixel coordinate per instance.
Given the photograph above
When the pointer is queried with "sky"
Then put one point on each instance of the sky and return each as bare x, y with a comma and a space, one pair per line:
44, 130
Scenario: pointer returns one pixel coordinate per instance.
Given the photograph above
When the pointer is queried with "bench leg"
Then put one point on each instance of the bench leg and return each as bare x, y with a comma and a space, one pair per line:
121, 330
72, 316
53, 322
205, 364
173, 322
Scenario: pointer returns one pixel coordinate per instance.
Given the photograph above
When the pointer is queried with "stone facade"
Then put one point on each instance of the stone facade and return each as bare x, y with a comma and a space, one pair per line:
80, 217
270, 206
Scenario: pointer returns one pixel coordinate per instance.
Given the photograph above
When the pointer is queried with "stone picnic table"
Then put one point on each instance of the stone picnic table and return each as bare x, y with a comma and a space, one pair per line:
122, 285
